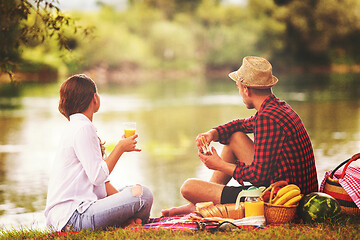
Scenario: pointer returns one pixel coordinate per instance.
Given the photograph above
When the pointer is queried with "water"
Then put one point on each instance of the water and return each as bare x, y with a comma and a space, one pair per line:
169, 115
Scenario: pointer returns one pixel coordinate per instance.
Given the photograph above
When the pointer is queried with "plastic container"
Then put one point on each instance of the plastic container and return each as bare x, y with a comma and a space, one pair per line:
254, 204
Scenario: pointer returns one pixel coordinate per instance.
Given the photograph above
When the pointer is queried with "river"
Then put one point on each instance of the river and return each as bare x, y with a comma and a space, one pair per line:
169, 115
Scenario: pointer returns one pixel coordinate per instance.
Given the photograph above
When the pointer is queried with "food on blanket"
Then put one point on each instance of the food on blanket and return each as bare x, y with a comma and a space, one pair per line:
282, 193
293, 201
201, 205
286, 197
235, 213
319, 207
266, 195
285, 190
275, 187
222, 211
205, 148
214, 211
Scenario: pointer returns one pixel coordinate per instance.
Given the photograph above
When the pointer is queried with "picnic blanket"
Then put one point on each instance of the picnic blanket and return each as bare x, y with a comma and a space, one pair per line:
193, 222
350, 182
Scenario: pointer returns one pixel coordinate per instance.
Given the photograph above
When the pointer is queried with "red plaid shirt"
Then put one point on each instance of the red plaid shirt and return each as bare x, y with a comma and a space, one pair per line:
283, 148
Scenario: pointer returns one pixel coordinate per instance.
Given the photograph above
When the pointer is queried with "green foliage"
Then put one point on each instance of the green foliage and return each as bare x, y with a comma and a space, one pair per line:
181, 34
315, 28
25, 23
171, 43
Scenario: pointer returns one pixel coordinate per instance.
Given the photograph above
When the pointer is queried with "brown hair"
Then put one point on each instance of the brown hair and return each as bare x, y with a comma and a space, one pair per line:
76, 94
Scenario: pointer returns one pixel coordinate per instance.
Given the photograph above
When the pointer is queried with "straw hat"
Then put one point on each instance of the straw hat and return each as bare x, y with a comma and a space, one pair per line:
255, 72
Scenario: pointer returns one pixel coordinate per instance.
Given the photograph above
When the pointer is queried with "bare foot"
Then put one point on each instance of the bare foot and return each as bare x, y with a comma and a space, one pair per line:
132, 223
185, 209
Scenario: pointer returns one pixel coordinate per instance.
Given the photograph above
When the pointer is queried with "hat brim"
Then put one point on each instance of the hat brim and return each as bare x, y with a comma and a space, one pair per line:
234, 76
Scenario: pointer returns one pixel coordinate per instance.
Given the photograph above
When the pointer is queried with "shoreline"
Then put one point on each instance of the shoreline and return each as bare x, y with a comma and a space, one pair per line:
105, 75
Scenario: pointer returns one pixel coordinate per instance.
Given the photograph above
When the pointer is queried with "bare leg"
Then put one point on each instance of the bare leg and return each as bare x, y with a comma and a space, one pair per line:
184, 209
195, 190
241, 148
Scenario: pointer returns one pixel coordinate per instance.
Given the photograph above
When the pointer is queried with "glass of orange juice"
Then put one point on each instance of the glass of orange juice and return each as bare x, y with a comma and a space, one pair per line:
129, 129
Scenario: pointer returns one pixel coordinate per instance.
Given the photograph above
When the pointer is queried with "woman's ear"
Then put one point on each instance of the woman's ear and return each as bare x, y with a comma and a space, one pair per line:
96, 102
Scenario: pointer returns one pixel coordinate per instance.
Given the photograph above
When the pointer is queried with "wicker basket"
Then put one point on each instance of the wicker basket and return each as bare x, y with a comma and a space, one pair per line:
334, 189
277, 214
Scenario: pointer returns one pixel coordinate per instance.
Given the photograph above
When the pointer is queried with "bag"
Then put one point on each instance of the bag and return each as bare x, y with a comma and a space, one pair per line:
332, 186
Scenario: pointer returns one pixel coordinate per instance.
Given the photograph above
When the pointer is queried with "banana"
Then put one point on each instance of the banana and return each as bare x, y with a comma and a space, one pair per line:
285, 190
287, 196
293, 201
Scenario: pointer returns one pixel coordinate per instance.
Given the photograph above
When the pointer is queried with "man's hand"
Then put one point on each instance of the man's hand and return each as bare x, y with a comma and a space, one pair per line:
215, 162
211, 135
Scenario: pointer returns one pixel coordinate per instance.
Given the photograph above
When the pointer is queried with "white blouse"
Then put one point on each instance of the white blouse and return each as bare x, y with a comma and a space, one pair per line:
78, 175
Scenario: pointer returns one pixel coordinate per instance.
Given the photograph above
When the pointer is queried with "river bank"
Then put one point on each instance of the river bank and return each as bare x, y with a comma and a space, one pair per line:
129, 74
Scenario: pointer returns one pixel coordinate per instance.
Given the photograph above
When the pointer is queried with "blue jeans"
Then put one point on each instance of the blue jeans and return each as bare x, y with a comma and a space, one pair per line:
113, 211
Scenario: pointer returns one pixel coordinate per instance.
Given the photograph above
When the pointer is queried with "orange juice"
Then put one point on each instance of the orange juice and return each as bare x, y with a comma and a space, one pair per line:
255, 208
129, 132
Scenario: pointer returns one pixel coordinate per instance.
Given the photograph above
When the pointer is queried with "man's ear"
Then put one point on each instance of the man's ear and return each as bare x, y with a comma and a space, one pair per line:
247, 91
95, 99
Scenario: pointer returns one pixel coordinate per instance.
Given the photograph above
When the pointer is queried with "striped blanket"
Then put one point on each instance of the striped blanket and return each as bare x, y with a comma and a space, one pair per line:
193, 222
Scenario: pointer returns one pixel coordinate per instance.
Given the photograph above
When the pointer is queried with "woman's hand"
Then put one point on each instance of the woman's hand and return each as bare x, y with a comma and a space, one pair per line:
124, 145
129, 144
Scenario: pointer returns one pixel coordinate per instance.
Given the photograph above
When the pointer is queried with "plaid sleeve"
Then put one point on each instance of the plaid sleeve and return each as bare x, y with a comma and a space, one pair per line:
240, 125
268, 143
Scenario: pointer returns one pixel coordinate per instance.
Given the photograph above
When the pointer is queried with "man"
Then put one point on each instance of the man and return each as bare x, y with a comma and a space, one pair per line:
281, 149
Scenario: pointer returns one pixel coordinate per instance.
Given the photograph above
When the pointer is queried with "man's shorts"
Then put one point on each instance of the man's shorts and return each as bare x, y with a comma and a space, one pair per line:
230, 193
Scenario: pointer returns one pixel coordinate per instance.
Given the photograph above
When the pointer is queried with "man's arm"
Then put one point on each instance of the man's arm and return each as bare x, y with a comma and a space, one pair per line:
268, 143
225, 131
215, 162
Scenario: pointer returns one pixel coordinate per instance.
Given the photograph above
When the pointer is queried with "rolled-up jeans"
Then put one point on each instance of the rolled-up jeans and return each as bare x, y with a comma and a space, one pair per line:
113, 211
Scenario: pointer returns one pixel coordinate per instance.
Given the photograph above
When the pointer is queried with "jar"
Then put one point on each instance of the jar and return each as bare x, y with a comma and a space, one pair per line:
254, 204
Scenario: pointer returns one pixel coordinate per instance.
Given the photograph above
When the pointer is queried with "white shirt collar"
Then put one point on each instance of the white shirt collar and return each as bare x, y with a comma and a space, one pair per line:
79, 116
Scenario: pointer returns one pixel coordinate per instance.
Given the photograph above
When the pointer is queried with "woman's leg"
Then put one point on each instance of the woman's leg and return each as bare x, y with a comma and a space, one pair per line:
130, 203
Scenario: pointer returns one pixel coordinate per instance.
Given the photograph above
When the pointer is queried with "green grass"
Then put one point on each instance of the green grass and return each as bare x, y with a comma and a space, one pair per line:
345, 228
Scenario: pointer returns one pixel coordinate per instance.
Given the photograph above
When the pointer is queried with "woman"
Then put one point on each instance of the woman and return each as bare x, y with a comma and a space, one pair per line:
79, 194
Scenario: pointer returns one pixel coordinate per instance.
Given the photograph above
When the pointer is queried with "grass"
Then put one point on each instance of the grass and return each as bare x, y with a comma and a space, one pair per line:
348, 227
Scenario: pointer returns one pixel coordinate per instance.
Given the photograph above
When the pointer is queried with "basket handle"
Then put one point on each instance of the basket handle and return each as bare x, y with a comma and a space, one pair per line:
339, 166
352, 159
272, 187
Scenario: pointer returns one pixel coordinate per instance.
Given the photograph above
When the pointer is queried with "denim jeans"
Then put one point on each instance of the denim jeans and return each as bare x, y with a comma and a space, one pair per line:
114, 210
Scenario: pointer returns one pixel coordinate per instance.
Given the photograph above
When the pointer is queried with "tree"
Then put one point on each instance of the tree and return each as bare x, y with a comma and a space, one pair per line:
319, 30
26, 23
171, 7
